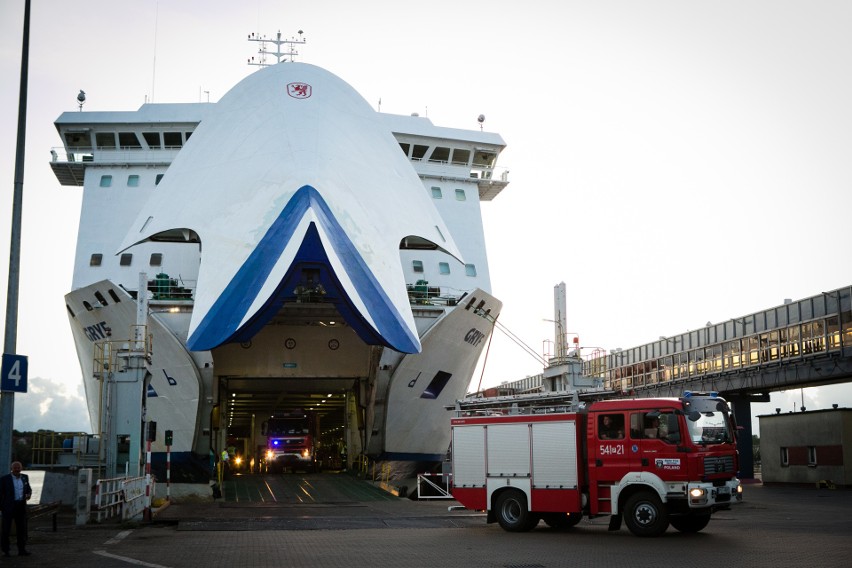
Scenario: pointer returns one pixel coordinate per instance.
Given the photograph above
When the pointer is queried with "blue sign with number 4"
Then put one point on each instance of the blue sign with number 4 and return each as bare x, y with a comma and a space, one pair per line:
14, 373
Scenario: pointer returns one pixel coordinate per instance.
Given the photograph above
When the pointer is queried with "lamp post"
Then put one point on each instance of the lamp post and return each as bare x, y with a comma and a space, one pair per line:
7, 399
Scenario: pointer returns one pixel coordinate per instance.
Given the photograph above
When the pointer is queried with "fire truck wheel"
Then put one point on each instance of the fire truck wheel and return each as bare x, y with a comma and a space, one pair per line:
512, 512
645, 515
690, 523
562, 520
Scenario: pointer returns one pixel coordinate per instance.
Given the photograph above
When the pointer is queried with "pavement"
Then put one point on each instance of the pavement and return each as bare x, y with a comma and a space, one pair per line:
773, 526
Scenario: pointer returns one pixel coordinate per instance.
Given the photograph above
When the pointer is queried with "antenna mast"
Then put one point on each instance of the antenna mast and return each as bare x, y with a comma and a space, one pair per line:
278, 54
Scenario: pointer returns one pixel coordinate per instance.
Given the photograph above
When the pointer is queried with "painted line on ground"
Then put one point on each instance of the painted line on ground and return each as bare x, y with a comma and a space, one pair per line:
128, 560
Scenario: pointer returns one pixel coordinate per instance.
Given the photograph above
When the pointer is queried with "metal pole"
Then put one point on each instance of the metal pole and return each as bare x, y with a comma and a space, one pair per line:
7, 399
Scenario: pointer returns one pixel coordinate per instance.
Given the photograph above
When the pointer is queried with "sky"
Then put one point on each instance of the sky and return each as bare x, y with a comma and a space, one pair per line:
673, 162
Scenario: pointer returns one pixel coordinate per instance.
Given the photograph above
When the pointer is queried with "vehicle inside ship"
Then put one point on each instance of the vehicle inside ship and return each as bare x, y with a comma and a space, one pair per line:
248, 403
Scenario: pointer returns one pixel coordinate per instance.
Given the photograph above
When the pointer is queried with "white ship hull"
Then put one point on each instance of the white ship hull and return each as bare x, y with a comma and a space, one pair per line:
291, 249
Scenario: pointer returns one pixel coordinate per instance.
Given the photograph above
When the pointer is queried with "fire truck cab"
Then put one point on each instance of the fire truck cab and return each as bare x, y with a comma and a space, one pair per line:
649, 462
291, 441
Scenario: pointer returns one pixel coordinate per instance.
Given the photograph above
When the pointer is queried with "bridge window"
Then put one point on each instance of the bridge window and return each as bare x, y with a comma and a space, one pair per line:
106, 181
461, 157
125, 259
96, 259
105, 140
440, 155
156, 259
417, 265
436, 192
133, 180
460, 196
470, 269
444, 267
418, 151
405, 147
128, 140
172, 140
158, 179
484, 159
152, 139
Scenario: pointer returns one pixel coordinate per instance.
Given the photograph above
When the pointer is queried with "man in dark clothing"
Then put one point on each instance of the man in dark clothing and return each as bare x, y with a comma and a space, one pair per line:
15, 491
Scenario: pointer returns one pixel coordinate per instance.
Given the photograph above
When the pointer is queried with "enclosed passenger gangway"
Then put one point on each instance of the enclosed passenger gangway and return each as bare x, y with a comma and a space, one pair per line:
803, 343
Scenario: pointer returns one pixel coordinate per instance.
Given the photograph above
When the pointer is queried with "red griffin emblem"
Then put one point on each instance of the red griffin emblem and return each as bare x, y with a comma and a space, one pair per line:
299, 90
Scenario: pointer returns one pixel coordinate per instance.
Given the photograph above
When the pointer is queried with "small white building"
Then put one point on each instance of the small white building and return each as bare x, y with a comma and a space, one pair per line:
807, 447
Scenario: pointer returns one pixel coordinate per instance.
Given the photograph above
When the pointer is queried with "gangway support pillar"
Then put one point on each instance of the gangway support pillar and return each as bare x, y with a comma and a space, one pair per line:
742, 414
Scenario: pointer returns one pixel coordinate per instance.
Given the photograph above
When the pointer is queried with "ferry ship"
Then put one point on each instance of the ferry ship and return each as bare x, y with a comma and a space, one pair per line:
285, 247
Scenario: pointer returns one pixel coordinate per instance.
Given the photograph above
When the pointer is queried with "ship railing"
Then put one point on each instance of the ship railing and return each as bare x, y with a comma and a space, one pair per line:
124, 155
64, 450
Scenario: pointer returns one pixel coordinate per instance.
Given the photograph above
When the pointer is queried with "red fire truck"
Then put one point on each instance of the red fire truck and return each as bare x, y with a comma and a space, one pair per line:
652, 462
291, 441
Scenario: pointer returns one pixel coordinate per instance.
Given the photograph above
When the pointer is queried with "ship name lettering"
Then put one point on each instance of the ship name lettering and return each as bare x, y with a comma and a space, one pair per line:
474, 337
96, 332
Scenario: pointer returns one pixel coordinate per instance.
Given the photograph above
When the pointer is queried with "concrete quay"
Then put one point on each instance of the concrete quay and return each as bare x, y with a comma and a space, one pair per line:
773, 526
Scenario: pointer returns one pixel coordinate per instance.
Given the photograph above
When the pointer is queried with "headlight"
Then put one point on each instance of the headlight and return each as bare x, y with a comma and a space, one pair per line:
238, 460
269, 454
696, 492
306, 453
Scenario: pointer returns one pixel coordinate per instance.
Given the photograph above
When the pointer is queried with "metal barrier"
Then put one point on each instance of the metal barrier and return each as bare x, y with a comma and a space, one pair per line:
435, 490
124, 497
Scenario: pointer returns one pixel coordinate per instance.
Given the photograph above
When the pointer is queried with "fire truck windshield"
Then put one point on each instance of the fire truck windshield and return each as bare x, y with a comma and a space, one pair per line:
709, 427
287, 426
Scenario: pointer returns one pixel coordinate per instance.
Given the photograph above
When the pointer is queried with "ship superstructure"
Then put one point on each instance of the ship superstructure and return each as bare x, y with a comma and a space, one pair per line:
295, 246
